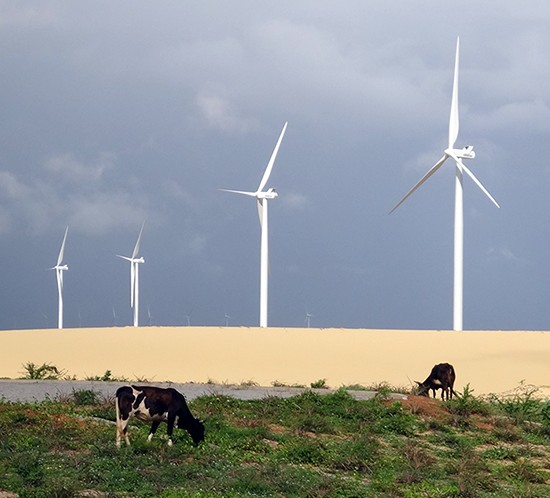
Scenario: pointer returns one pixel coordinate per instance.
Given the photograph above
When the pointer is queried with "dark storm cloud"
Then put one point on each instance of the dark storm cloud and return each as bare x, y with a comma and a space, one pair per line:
116, 113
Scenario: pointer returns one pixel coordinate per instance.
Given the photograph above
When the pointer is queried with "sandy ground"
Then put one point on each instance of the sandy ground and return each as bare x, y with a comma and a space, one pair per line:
489, 361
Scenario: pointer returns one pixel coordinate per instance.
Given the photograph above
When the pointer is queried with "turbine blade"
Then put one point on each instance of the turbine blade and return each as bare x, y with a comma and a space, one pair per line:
432, 170
138, 242
260, 210
267, 171
124, 257
62, 250
251, 194
478, 183
453, 119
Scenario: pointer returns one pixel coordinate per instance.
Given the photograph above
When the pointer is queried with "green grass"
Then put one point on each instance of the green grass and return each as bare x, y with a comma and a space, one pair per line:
310, 445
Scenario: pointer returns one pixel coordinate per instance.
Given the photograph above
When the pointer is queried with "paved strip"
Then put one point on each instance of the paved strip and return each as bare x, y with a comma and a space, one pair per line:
29, 391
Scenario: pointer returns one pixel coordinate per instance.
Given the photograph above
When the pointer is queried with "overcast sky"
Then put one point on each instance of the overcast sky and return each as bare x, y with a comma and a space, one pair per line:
116, 113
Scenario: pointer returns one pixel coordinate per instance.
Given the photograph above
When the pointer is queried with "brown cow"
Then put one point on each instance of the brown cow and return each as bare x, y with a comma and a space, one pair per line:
441, 377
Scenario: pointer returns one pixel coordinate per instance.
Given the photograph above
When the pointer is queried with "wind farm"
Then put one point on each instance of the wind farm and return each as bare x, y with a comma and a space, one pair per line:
327, 240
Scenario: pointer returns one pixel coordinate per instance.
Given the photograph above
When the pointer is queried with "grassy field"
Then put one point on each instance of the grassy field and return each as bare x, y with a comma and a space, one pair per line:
307, 446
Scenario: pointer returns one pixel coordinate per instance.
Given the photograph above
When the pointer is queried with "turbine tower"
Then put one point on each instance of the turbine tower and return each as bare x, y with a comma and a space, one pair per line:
457, 155
59, 269
261, 199
134, 277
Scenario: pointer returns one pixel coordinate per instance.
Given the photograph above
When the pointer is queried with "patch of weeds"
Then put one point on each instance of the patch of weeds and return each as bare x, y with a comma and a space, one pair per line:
522, 405
319, 384
46, 371
354, 387
86, 396
277, 383
524, 470
463, 406
108, 377
471, 474
249, 383
356, 455
391, 419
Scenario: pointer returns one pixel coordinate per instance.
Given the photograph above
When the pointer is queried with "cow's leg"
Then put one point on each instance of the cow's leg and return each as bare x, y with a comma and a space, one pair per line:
122, 430
170, 428
154, 427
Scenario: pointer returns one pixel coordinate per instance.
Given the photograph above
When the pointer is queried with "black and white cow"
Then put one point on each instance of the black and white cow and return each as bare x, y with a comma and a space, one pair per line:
156, 405
441, 377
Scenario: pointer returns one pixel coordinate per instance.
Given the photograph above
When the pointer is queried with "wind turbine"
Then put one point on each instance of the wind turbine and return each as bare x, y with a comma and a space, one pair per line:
59, 269
134, 276
308, 318
261, 199
188, 318
457, 155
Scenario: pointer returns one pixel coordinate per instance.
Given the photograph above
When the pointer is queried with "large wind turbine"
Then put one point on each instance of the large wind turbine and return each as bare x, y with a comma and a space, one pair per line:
134, 276
59, 269
457, 155
261, 199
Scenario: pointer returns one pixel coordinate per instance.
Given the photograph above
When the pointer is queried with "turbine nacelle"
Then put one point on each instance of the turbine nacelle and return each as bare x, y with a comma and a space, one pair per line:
464, 153
59, 268
270, 194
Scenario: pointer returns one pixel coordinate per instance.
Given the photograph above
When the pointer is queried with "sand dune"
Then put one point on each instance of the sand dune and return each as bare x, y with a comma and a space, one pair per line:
490, 361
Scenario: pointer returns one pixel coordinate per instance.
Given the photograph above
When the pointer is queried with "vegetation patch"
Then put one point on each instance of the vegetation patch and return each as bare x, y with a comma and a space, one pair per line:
310, 445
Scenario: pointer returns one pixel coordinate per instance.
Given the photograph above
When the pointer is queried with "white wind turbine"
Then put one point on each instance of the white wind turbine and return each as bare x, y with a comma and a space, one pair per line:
59, 269
134, 276
457, 155
261, 199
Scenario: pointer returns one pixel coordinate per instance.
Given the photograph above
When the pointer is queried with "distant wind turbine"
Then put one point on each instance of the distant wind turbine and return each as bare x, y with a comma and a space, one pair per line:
59, 269
261, 199
457, 155
308, 318
134, 276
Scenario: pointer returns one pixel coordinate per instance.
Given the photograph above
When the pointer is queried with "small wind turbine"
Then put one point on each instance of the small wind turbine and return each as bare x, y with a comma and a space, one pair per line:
114, 317
457, 155
308, 318
227, 317
188, 318
59, 269
261, 199
134, 276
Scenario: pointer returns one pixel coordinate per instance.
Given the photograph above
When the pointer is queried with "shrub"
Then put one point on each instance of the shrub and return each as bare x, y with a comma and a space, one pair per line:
46, 371
319, 384
86, 396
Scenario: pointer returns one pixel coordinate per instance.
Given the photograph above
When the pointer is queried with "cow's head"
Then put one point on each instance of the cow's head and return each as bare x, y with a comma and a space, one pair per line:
422, 389
195, 429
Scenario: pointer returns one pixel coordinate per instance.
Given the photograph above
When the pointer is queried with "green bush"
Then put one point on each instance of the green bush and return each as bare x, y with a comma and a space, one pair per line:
46, 371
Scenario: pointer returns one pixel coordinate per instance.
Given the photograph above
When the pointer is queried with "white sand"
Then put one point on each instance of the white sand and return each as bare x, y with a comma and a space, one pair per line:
490, 361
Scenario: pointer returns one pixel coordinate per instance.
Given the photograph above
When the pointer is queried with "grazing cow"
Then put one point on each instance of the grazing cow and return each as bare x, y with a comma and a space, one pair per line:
441, 377
156, 405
